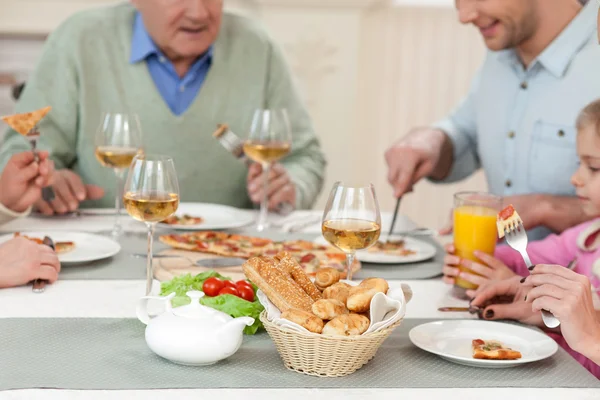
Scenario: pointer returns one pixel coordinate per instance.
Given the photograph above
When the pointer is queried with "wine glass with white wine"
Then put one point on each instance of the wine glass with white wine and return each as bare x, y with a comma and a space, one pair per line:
151, 195
118, 140
351, 220
270, 139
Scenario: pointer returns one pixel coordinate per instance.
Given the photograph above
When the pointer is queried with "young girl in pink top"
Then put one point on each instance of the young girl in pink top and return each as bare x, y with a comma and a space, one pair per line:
567, 294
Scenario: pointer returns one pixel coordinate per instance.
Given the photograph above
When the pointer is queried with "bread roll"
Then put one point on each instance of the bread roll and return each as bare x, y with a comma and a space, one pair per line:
305, 319
359, 299
378, 284
328, 308
326, 277
346, 325
338, 291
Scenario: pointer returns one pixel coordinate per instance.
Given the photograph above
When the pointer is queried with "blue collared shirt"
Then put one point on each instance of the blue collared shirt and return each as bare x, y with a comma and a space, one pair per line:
519, 124
177, 92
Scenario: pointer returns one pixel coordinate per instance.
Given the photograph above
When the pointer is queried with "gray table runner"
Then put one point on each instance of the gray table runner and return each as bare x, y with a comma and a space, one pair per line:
124, 267
76, 353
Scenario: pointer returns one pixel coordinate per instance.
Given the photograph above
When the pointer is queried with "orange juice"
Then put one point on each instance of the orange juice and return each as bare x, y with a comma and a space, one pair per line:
474, 229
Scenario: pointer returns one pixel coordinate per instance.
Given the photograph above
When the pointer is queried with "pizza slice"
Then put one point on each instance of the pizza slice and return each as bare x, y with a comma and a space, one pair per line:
393, 247
24, 123
59, 247
185, 219
493, 350
507, 218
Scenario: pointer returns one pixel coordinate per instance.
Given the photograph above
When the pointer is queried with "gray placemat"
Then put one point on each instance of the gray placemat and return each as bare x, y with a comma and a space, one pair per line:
79, 353
124, 267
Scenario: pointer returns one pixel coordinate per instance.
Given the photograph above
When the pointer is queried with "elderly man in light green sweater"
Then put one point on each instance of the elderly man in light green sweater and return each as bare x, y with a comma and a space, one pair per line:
183, 66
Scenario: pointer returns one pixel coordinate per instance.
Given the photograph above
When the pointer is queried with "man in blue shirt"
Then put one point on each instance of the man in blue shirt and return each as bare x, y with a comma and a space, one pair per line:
518, 120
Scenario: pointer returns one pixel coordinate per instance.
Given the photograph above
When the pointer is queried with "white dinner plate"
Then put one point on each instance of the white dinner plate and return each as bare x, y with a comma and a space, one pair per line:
216, 216
423, 251
451, 340
88, 247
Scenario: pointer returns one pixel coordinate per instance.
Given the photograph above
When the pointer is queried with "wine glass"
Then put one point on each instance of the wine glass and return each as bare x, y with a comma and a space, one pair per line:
351, 220
151, 195
118, 140
270, 139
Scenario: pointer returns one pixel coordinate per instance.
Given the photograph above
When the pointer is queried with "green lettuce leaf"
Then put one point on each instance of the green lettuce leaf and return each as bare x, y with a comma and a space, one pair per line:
227, 303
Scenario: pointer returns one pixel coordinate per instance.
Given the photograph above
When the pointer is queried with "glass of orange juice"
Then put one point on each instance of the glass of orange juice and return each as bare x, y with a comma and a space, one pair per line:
474, 229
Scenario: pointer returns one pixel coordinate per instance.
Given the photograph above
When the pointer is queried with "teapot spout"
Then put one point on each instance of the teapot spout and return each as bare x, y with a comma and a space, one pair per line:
236, 325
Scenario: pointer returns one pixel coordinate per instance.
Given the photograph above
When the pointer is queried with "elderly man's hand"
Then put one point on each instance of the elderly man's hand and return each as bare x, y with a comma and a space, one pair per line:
70, 191
23, 178
281, 188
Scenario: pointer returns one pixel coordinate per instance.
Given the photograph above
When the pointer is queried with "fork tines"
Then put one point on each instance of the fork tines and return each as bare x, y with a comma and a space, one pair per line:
511, 224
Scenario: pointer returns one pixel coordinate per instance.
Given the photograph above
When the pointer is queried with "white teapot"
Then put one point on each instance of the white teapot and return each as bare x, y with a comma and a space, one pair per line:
192, 334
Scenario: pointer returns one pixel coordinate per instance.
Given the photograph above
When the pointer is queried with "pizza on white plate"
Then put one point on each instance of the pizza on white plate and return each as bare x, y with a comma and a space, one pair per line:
185, 219
59, 247
493, 350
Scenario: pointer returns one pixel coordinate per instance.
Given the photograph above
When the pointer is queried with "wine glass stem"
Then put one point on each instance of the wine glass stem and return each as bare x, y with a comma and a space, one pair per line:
118, 196
350, 261
264, 202
149, 269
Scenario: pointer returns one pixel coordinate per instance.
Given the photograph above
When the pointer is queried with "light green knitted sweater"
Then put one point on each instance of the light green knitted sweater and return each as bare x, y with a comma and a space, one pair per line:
84, 71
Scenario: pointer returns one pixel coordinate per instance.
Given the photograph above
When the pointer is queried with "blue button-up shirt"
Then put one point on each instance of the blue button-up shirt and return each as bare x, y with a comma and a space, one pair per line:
519, 124
177, 92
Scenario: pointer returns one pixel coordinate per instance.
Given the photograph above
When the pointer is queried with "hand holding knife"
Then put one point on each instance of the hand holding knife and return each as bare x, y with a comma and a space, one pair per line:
39, 285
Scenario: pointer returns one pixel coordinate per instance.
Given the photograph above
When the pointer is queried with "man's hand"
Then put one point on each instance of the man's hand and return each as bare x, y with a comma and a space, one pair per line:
518, 309
423, 152
489, 269
70, 191
281, 188
22, 260
23, 178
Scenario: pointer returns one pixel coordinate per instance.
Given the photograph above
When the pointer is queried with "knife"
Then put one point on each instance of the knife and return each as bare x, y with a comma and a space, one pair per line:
470, 309
394, 217
39, 285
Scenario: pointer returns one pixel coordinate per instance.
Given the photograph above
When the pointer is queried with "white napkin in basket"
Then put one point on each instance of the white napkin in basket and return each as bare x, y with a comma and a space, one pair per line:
386, 309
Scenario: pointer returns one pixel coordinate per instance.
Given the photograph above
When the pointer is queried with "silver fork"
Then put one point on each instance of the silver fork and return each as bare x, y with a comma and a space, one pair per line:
516, 237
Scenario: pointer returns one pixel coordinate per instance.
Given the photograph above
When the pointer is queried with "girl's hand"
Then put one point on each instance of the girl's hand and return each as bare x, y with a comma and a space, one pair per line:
568, 296
490, 268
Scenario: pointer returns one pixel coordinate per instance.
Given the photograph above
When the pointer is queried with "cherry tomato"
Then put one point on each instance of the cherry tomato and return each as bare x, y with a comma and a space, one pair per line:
246, 293
229, 290
230, 284
212, 286
244, 283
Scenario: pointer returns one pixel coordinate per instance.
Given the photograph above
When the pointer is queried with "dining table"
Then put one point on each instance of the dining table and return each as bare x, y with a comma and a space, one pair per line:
80, 338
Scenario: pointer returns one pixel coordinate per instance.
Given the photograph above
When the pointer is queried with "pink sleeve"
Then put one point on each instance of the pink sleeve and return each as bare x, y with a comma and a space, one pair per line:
554, 249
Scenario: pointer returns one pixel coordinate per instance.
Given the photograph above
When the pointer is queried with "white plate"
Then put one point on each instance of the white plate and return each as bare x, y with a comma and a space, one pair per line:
423, 251
216, 216
88, 247
451, 340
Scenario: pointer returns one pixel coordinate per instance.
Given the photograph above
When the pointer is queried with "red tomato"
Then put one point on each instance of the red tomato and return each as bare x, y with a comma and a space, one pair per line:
229, 284
243, 283
246, 292
212, 286
230, 290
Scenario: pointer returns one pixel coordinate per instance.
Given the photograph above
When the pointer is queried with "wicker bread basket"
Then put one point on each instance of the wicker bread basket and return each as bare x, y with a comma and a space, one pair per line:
326, 356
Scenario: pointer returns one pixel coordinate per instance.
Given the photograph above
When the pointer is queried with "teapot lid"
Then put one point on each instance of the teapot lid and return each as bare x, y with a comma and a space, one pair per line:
196, 310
